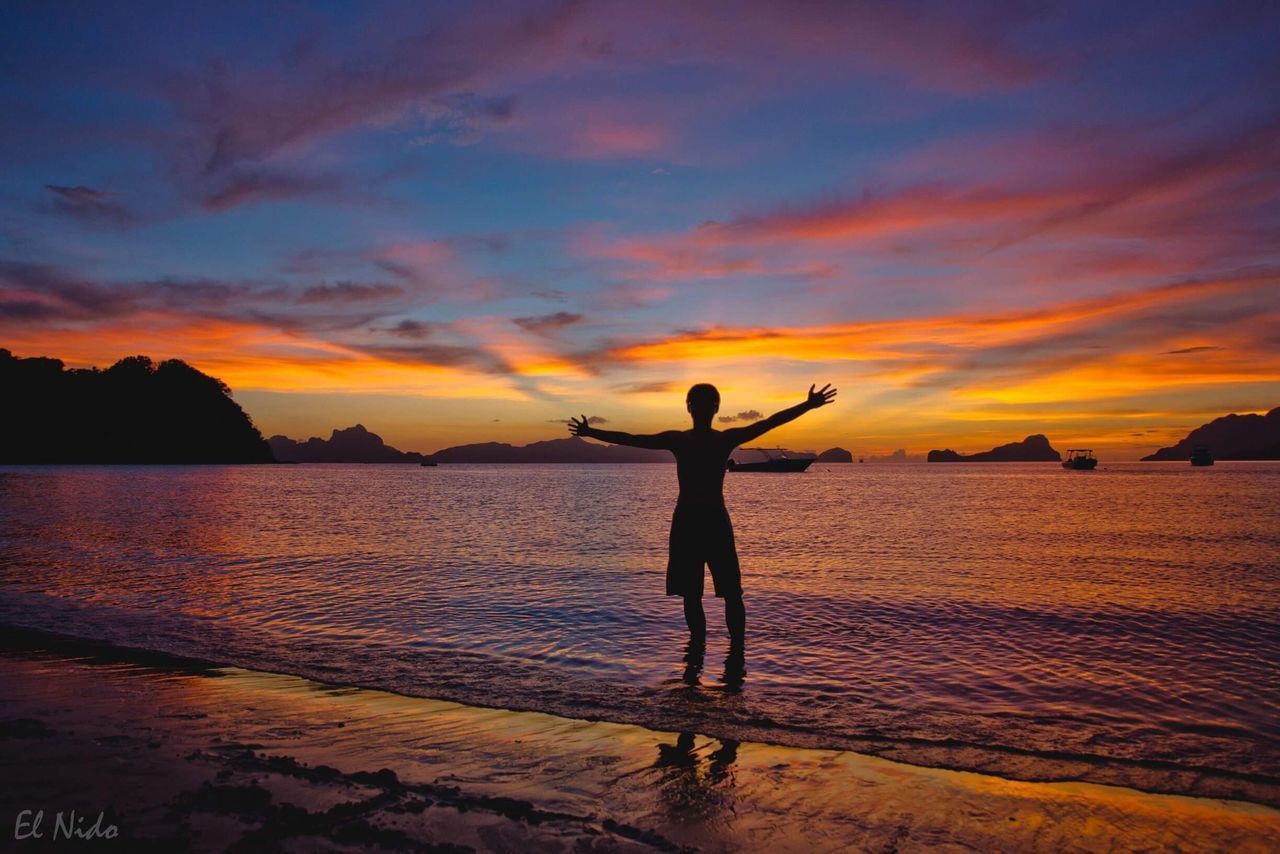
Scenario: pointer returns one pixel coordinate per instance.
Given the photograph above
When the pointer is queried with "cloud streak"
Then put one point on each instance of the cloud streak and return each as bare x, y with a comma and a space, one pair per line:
547, 324
1045, 351
88, 204
1205, 201
746, 416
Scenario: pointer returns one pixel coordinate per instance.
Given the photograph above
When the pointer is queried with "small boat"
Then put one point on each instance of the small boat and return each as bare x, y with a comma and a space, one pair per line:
1201, 456
769, 459
428, 463
1080, 459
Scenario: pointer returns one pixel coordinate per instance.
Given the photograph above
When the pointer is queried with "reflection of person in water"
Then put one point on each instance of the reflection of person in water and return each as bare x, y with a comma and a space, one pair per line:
694, 789
701, 533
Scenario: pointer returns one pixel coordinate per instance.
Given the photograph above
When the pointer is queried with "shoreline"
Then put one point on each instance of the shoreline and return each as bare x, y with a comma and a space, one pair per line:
1151, 776
175, 749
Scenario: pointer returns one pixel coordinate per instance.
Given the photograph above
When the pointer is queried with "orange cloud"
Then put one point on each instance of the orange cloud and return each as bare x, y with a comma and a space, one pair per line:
1017, 356
252, 356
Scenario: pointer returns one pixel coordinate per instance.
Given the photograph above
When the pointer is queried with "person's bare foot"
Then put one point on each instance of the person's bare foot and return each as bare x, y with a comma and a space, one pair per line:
735, 668
694, 654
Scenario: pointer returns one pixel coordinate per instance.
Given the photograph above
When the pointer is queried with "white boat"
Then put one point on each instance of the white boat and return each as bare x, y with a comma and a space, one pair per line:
769, 459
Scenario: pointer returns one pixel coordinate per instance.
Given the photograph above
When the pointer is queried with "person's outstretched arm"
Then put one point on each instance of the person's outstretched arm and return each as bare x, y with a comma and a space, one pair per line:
822, 397
656, 441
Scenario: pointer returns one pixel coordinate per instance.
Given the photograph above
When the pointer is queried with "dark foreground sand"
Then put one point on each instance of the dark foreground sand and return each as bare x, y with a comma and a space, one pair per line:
185, 756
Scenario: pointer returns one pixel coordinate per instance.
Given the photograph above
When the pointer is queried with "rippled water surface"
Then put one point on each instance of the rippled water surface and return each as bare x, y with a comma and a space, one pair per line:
990, 613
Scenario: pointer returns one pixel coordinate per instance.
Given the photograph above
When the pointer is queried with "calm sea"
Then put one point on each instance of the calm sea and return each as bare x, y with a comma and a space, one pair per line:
1121, 624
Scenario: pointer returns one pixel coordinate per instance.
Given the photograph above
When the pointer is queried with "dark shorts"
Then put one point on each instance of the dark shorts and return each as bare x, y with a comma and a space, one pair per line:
702, 535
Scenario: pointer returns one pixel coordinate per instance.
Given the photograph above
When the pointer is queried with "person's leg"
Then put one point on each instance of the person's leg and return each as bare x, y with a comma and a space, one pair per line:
695, 616
727, 575
735, 617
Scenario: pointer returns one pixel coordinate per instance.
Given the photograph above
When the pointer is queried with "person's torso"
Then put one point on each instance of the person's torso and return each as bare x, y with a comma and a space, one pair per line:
700, 464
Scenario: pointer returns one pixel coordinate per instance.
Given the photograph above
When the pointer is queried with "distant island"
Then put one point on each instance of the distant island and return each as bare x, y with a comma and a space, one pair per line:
135, 411
358, 445
1231, 437
898, 456
574, 450
570, 450
1033, 449
352, 445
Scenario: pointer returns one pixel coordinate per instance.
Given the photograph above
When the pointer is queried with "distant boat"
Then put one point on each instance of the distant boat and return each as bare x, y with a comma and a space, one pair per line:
1080, 459
428, 463
769, 459
1201, 456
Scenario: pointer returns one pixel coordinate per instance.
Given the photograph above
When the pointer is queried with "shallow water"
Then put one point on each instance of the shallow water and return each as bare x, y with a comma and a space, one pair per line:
497, 780
1011, 617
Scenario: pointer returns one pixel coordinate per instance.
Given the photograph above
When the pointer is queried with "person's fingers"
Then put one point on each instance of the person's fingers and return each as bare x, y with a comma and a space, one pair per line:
825, 387
812, 387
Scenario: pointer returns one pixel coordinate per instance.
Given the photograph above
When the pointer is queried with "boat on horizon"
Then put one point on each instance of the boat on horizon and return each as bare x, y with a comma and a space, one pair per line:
1080, 459
1201, 456
769, 460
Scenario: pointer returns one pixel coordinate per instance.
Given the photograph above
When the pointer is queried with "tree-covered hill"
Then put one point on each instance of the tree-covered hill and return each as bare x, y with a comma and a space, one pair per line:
135, 411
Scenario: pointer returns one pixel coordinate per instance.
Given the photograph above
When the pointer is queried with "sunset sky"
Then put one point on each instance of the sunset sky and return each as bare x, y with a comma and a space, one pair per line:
462, 222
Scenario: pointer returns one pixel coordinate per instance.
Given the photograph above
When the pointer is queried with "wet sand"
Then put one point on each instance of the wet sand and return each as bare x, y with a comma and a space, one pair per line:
180, 755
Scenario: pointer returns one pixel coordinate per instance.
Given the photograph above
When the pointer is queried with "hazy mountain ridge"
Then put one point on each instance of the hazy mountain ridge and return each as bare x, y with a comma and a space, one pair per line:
1231, 437
135, 411
358, 445
1033, 449
352, 445
570, 450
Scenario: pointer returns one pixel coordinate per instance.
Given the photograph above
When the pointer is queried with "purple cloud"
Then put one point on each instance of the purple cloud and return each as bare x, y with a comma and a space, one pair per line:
547, 323
749, 415
86, 203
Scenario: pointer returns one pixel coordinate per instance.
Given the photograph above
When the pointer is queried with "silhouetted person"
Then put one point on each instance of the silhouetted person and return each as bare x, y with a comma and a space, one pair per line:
701, 533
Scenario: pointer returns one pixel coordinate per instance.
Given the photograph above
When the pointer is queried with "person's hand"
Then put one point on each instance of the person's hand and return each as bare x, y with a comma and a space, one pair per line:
579, 428
821, 397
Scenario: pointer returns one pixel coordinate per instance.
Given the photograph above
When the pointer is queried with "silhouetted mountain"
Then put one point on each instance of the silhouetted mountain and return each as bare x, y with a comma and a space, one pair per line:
353, 445
1033, 449
133, 412
898, 456
571, 450
1231, 437
835, 455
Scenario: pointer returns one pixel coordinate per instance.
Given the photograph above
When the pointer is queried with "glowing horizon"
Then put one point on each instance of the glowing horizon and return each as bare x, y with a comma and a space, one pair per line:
456, 224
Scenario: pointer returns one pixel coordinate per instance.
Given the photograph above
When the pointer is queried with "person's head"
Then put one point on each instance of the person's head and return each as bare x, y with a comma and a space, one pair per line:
703, 401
